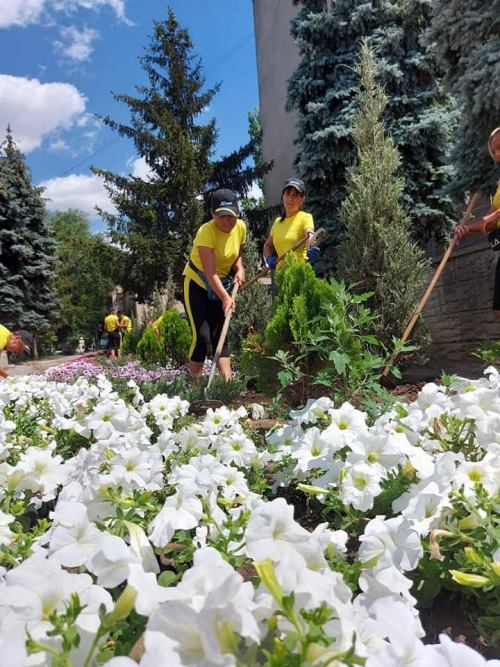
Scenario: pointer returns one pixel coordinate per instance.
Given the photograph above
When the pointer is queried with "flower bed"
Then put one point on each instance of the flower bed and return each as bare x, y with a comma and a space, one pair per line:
130, 370
128, 529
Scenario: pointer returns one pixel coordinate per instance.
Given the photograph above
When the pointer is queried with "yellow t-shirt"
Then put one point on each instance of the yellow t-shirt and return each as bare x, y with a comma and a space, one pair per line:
496, 197
285, 233
4, 336
110, 323
157, 323
226, 246
125, 323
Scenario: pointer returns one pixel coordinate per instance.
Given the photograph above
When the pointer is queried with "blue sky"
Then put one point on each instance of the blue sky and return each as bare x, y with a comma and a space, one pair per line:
61, 59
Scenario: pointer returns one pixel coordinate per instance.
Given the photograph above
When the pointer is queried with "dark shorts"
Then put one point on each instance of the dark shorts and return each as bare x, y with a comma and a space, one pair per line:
113, 340
496, 289
200, 310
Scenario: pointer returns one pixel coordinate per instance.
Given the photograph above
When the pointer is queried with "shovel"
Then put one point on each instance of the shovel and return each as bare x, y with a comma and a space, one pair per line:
202, 406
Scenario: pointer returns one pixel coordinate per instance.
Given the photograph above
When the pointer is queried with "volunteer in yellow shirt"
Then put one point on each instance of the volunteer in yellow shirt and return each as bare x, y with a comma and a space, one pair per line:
215, 260
11, 342
111, 327
124, 322
490, 222
292, 226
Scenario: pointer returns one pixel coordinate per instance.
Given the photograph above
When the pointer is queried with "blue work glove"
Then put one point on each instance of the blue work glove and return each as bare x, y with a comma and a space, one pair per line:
313, 253
271, 261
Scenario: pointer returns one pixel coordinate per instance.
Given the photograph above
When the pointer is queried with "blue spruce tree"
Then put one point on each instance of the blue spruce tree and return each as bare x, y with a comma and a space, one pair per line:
27, 297
465, 37
419, 115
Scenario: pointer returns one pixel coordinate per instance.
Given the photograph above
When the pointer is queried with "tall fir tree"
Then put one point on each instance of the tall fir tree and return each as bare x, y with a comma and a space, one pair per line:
27, 259
157, 216
419, 115
378, 254
465, 37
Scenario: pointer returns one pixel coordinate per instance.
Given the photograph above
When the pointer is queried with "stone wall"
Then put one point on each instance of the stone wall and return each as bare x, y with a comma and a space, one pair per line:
459, 314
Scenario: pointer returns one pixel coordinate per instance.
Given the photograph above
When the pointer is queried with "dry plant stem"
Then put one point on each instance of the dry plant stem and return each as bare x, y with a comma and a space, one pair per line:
428, 291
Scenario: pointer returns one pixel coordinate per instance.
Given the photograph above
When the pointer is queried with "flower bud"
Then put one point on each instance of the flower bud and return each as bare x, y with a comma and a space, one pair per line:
471, 580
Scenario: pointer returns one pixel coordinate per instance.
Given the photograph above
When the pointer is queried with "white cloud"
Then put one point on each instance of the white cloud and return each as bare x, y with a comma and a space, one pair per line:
59, 146
26, 12
70, 6
80, 191
34, 109
255, 192
140, 168
20, 12
76, 44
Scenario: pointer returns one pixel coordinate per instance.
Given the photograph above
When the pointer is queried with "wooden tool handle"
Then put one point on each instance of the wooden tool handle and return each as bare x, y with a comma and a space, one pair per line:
222, 338
430, 287
317, 236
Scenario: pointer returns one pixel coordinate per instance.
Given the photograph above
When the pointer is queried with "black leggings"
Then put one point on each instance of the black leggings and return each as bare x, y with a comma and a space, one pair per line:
200, 309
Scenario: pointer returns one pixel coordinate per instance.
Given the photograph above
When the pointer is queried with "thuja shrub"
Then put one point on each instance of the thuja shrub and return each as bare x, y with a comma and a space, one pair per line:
300, 300
299, 303
175, 338
148, 348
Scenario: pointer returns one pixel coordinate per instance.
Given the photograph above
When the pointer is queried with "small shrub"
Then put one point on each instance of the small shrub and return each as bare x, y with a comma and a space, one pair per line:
175, 338
148, 348
488, 351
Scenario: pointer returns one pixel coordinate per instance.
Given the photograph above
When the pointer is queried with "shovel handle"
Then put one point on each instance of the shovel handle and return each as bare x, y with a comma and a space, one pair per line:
222, 338
430, 287
317, 236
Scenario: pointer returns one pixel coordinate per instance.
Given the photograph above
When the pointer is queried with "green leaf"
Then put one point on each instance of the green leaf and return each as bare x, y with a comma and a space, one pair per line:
167, 578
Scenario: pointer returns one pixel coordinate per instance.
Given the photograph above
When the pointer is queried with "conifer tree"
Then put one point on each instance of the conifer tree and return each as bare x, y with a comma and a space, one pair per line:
419, 115
465, 37
27, 297
157, 216
377, 254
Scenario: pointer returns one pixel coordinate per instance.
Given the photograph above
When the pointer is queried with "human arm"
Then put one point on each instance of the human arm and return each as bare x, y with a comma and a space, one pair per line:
481, 225
207, 258
3, 374
267, 252
239, 269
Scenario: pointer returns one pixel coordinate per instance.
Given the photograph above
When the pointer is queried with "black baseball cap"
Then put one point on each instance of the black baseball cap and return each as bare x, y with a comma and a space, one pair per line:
224, 202
27, 338
296, 183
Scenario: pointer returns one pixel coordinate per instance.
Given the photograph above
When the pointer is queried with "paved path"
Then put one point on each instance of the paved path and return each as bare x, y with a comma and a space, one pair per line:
39, 366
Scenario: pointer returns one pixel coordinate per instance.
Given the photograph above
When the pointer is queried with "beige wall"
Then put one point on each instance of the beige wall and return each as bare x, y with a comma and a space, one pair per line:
277, 58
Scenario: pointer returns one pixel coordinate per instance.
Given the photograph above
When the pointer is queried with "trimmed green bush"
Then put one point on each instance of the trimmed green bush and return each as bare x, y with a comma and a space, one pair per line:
175, 338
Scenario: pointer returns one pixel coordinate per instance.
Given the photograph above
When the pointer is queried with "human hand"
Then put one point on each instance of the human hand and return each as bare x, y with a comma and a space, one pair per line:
239, 277
271, 261
313, 253
228, 305
461, 231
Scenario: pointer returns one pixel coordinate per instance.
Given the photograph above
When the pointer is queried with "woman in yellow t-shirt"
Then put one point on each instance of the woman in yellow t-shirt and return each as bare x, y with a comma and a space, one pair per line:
490, 222
291, 227
11, 341
215, 256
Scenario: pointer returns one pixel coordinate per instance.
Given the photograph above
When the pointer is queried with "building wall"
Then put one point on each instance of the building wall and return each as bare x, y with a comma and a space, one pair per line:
458, 313
277, 59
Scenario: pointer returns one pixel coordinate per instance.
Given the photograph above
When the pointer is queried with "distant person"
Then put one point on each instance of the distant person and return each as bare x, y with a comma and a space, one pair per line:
124, 322
13, 341
112, 332
292, 226
124, 325
214, 263
490, 222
